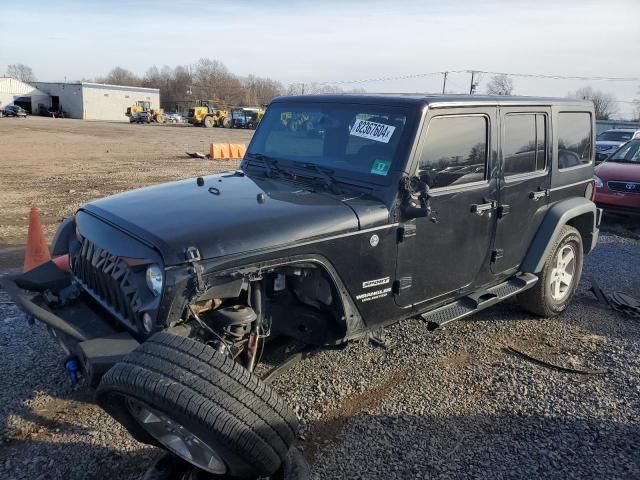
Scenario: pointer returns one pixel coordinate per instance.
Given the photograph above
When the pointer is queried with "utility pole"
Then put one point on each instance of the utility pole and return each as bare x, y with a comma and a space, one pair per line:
444, 82
472, 86
303, 89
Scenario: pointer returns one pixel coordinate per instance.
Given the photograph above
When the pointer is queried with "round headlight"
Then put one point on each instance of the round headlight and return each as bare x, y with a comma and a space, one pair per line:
598, 181
154, 279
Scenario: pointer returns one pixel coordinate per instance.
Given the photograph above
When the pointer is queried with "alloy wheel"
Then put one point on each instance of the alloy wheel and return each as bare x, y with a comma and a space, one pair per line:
176, 438
563, 273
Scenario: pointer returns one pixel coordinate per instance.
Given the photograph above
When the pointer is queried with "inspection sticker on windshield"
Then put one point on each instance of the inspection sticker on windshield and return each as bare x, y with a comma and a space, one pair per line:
372, 130
380, 167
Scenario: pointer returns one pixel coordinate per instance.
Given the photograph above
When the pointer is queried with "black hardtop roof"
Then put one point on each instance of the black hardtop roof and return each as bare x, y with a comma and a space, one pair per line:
427, 99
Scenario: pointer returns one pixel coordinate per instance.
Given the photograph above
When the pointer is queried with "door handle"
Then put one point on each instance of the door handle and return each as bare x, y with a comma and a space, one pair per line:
480, 208
539, 194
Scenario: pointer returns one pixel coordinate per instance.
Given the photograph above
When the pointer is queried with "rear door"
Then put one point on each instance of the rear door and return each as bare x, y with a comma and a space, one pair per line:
447, 252
525, 180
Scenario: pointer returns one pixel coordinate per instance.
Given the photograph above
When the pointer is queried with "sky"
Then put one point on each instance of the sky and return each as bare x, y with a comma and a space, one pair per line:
332, 41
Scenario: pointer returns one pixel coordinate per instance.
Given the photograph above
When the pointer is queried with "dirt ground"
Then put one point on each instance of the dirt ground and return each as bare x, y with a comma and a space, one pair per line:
59, 164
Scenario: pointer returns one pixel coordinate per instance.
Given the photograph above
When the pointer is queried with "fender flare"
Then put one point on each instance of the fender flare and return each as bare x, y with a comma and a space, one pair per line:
585, 216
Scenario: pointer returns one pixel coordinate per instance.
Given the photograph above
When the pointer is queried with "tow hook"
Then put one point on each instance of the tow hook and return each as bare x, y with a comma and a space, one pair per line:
71, 369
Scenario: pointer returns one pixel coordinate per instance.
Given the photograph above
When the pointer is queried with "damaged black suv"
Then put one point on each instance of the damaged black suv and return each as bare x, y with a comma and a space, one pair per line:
348, 213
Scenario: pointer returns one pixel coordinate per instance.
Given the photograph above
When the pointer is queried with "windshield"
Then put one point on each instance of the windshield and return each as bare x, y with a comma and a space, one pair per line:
351, 140
629, 153
613, 136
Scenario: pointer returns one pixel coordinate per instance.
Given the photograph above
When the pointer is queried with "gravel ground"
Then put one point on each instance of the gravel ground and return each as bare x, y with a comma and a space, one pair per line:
446, 404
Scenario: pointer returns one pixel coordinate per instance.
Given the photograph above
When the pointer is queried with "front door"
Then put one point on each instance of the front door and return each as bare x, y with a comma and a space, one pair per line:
448, 251
524, 183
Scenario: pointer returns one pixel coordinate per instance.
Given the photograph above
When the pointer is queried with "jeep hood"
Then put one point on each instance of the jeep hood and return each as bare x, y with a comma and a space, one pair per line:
231, 214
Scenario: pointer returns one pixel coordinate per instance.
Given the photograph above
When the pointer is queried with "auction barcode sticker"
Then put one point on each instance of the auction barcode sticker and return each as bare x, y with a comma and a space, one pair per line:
372, 130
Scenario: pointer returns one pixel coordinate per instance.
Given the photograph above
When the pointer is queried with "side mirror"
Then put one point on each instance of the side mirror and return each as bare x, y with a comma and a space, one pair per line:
415, 201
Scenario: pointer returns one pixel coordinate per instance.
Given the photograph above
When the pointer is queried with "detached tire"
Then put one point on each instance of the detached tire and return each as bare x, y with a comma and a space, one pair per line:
558, 280
182, 395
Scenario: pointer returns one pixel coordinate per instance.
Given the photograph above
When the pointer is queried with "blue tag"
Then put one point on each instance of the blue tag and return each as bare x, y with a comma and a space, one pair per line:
381, 167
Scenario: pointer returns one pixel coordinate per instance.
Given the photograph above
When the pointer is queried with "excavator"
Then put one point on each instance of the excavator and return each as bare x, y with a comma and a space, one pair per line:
208, 114
154, 114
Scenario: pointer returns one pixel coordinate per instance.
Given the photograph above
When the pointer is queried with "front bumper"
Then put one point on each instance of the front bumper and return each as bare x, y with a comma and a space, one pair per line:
618, 202
82, 328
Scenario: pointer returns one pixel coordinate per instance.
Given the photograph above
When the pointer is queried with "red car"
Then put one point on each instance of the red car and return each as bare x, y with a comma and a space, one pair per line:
618, 180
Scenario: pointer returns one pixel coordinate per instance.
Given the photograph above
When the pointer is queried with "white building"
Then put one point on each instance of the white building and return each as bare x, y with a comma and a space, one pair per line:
96, 101
15, 92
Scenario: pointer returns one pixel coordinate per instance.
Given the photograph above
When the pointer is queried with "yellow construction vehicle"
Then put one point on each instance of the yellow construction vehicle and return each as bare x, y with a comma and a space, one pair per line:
208, 114
152, 114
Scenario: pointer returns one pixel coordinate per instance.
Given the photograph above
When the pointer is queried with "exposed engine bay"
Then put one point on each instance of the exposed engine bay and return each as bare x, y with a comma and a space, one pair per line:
237, 316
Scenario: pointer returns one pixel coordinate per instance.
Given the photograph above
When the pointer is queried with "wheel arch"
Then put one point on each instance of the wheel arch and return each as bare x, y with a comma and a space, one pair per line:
577, 212
351, 317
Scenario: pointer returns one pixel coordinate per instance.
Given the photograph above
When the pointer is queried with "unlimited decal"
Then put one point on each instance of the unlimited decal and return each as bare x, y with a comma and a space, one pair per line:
367, 297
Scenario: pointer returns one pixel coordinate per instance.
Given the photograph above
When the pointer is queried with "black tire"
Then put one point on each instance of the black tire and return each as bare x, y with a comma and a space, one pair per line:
226, 407
539, 299
208, 122
225, 122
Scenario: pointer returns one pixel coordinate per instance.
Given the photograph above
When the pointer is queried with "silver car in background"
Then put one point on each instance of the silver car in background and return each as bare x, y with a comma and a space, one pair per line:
174, 117
610, 140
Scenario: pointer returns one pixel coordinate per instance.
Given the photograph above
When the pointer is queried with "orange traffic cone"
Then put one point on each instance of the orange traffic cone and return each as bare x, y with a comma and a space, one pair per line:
37, 251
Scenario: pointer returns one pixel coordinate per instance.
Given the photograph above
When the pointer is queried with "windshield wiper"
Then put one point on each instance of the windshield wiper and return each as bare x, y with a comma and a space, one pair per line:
326, 176
270, 164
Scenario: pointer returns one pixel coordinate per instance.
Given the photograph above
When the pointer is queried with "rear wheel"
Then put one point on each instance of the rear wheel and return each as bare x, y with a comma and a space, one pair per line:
558, 280
208, 122
202, 406
226, 122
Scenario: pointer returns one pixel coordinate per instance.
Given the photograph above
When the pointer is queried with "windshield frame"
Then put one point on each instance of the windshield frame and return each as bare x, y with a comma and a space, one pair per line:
346, 176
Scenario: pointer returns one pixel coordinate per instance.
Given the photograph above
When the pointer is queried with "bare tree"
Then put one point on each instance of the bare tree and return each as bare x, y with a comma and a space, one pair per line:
319, 88
21, 72
604, 103
121, 76
213, 81
260, 91
500, 85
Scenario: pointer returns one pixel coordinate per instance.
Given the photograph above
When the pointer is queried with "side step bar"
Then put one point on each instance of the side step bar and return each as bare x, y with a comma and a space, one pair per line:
479, 300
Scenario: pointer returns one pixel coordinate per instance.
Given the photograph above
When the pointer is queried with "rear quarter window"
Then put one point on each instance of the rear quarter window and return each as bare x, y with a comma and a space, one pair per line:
574, 139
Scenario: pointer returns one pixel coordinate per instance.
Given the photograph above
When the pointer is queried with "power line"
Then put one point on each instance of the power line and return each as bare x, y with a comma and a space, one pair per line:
524, 75
382, 79
564, 77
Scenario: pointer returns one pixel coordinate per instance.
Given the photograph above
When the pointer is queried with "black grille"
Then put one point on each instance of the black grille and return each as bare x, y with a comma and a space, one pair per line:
109, 280
628, 187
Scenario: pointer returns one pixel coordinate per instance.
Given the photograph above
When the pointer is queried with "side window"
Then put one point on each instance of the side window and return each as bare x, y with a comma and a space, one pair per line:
455, 150
574, 139
524, 143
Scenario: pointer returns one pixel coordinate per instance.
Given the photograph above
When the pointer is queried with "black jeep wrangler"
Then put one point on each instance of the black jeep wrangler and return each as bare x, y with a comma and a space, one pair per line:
348, 213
